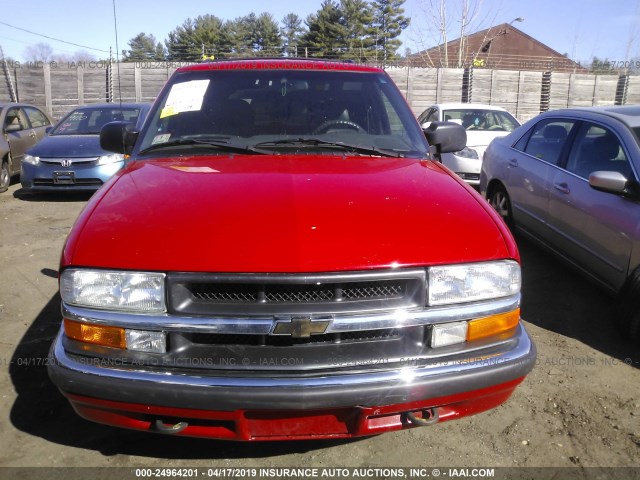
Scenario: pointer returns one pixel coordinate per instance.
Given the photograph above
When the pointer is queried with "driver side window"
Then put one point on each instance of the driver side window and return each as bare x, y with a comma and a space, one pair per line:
597, 148
14, 121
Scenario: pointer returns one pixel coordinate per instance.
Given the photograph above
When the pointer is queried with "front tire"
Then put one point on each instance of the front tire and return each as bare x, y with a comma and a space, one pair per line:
628, 309
500, 201
5, 176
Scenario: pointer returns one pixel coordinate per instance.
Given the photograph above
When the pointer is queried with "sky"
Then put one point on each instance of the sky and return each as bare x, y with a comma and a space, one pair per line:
581, 28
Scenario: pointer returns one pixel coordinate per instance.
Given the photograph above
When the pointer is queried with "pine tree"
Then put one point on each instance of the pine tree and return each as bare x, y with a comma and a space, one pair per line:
357, 19
206, 34
389, 22
266, 36
292, 31
326, 34
143, 48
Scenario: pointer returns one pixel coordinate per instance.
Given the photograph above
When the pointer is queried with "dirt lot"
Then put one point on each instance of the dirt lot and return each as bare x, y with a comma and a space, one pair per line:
579, 408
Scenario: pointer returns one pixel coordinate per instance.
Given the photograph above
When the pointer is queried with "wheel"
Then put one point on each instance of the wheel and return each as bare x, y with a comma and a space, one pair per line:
326, 126
628, 308
499, 200
5, 176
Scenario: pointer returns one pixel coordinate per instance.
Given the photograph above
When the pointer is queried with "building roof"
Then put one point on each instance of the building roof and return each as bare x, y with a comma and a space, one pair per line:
501, 47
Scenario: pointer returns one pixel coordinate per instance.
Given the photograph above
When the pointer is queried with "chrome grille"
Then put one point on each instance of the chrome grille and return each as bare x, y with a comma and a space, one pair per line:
73, 161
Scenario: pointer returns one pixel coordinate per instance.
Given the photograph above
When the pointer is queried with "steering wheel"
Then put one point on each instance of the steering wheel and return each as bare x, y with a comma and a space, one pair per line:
326, 126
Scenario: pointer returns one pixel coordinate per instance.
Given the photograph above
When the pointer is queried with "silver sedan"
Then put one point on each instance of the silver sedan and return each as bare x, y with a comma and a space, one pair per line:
568, 179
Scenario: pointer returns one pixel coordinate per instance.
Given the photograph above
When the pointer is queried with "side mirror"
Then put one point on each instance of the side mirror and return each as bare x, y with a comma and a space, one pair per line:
610, 182
118, 137
48, 130
12, 127
447, 137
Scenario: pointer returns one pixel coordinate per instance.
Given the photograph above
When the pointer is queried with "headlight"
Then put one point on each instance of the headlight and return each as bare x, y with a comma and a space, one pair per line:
113, 158
472, 282
109, 290
31, 159
467, 152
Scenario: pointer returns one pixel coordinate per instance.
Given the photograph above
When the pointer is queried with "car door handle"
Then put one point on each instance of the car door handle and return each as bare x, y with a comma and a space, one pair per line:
513, 163
562, 188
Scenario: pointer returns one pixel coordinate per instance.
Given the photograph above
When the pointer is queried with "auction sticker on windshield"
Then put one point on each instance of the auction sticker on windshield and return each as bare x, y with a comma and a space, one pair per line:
185, 97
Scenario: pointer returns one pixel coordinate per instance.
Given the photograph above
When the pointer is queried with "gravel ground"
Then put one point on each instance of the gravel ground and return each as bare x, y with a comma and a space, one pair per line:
580, 407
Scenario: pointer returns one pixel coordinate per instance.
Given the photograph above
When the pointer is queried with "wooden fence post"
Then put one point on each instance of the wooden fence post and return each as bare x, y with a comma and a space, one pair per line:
80, 76
48, 104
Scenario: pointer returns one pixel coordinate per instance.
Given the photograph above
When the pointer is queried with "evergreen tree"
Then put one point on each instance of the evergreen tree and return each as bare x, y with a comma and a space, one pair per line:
206, 34
142, 48
359, 36
389, 22
292, 31
326, 34
266, 36
240, 35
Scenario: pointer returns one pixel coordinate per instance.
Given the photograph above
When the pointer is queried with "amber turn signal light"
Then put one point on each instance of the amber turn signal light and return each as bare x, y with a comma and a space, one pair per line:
501, 323
97, 334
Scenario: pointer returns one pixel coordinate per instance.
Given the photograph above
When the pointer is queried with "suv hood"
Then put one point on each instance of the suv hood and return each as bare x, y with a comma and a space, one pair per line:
302, 213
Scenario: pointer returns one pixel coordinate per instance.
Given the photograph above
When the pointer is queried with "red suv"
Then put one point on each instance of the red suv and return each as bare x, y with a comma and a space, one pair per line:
284, 257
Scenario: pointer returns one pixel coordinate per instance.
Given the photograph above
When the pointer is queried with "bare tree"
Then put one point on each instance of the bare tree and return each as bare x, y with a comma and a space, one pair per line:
440, 20
40, 52
632, 42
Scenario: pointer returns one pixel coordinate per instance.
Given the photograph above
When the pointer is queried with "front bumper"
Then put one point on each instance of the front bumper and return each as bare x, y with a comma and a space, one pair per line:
284, 407
466, 168
51, 178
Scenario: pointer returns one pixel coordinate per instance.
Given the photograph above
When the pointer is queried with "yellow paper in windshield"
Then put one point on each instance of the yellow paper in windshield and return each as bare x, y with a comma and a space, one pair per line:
185, 97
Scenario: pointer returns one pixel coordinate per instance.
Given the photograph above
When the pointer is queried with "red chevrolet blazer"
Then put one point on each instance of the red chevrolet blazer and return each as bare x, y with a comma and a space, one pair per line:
284, 257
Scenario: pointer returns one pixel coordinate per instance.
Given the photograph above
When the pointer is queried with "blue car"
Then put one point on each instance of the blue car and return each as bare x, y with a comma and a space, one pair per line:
70, 157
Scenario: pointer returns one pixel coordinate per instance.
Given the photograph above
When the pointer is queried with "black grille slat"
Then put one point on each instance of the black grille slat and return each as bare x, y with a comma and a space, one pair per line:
372, 290
247, 293
222, 293
299, 294
310, 294
284, 341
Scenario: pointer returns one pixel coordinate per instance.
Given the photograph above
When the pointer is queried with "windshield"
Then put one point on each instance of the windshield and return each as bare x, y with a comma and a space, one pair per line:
482, 119
299, 111
89, 121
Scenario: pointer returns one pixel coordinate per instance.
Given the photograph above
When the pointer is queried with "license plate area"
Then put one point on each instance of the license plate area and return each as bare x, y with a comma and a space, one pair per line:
64, 178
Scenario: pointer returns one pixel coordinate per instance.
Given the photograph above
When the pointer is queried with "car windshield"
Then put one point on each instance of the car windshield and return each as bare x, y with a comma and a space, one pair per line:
482, 119
89, 121
284, 111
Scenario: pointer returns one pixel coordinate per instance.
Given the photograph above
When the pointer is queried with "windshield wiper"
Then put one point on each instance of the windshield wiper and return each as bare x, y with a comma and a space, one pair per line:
316, 142
221, 145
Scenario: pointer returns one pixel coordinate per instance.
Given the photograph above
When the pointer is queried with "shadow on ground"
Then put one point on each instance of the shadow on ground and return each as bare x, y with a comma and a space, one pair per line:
559, 299
63, 197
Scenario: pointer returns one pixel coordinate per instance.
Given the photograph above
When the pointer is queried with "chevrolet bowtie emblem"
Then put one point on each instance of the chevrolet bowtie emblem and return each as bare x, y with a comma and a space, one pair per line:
300, 327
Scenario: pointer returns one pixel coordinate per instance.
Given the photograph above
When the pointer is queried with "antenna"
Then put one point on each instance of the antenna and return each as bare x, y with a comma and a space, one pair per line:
115, 26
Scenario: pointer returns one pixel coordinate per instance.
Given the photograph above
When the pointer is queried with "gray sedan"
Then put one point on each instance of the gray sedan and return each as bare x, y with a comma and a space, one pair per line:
22, 127
568, 179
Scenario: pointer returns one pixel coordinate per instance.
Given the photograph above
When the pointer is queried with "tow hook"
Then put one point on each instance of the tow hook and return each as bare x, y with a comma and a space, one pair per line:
430, 416
159, 426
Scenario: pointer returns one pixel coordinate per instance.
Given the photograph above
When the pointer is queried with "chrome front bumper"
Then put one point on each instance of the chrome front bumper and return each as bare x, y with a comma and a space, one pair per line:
413, 380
